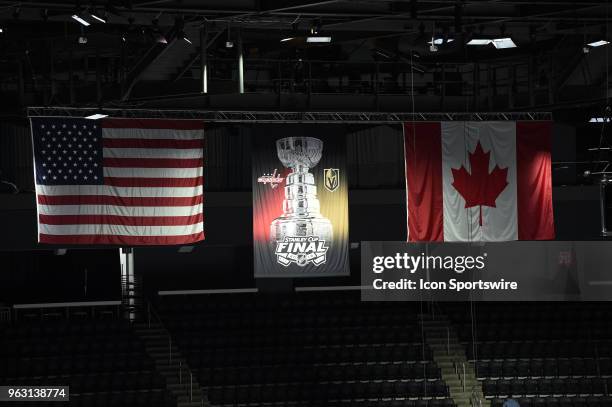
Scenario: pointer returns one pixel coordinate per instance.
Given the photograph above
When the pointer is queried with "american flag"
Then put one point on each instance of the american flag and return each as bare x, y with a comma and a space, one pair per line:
118, 181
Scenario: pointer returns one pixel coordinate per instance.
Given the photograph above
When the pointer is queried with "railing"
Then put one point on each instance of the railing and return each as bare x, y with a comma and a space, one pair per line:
5, 314
460, 371
184, 371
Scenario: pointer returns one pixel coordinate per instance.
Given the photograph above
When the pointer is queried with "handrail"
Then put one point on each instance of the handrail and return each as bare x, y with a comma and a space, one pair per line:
153, 316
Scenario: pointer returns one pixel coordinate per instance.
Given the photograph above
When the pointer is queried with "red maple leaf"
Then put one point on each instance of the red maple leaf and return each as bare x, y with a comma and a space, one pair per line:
480, 188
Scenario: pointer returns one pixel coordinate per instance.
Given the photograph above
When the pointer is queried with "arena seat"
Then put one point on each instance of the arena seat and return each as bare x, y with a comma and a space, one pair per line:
305, 348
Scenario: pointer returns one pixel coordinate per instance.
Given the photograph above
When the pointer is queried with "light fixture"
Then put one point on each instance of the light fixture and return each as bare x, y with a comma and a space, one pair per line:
96, 116
502, 43
599, 119
80, 20
439, 41
599, 43
82, 39
160, 38
318, 39
286, 39
229, 44
1, 30
479, 41
95, 15
187, 40
499, 43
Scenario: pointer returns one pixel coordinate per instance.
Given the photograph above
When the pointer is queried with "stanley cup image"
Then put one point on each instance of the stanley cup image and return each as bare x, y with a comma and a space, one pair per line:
301, 210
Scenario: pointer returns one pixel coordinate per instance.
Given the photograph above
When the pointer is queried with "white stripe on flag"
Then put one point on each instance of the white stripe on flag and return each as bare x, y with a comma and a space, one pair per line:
121, 172
119, 210
152, 153
153, 134
121, 230
127, 192
459, 140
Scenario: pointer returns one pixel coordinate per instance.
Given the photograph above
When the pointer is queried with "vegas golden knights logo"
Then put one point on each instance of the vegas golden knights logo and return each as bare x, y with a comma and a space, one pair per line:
331, 178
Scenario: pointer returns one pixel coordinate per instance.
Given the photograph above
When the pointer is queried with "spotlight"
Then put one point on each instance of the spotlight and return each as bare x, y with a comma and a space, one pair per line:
286, 39
501, 43
82, 39
433, 48
96, 116
229, 44
440, 41
318, 40
160, 38
94, 14
80, 20
599, 43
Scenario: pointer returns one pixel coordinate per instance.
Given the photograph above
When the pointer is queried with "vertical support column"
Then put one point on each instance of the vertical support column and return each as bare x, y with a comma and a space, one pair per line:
240, 63
129, 286
490, 91
71, 78
531, 80
602, 204
476, 90
204, 58
98, 77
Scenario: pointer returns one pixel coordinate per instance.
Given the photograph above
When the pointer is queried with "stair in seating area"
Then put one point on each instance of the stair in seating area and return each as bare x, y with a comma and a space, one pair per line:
450, 356
171, 365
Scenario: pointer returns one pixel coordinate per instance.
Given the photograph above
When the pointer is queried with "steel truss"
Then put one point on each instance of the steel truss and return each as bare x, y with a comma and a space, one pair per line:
223, 116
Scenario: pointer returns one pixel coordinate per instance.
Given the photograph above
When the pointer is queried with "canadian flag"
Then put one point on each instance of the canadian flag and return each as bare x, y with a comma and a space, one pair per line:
479, 181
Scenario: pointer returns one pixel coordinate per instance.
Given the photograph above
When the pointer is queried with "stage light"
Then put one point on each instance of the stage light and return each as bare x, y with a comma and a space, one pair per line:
187, 40
97, 16
318, 39
440, 41
96, 116
599, 119
229, 44
82, 40
499, 43
80, 20
1, 30
479, 41
286, 39
160, 38
599, 43
502, 43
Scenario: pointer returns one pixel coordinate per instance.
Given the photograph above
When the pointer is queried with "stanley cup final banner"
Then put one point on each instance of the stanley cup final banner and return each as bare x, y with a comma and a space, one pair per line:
300, 200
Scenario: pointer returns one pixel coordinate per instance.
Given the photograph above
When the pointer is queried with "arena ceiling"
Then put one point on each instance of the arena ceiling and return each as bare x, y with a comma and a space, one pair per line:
149, 50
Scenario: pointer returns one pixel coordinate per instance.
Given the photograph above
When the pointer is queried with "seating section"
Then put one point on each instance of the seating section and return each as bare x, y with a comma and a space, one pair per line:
103, 362
541, 354
305, 349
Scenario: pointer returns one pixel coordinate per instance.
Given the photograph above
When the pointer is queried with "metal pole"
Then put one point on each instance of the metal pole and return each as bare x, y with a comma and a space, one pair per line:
180, 372
240, 64
190, 386
602, 204
204, 58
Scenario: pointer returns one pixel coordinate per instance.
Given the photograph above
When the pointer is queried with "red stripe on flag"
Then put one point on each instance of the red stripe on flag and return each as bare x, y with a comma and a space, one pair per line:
151, 143
423, 149
534, 181
120, 220
120, 240
118, 200
152, 124
153, 182
153, 162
